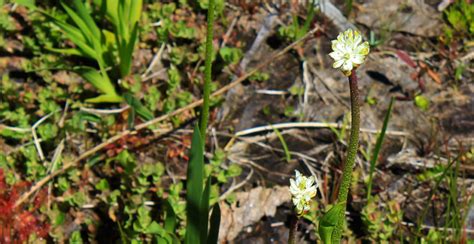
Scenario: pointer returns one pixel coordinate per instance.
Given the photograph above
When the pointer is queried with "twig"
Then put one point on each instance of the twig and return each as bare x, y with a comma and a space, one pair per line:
154, 61
92, 151
235, 187
104, 111
271, 92
311, 125
35, 136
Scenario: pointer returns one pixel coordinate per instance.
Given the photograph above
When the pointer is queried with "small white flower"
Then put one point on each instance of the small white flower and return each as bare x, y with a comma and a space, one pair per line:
349, 51
302, 190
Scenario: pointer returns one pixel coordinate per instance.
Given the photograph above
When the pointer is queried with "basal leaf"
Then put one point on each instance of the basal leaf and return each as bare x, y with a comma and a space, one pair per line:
204, 211
328, 222
194, 188
215, 223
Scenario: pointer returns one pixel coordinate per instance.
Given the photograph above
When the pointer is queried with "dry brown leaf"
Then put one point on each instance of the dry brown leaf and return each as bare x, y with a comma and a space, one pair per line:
249, 208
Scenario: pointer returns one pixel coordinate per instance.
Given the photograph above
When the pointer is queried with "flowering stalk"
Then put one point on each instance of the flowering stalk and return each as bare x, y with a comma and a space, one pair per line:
351, 154
207, 71
293, 229
348, 53
302, 190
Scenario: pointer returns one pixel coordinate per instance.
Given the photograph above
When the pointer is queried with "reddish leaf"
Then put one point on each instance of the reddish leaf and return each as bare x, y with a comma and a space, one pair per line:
406, 58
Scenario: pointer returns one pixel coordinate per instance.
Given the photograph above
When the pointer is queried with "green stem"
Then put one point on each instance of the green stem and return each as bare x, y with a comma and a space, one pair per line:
351, 155
207, 70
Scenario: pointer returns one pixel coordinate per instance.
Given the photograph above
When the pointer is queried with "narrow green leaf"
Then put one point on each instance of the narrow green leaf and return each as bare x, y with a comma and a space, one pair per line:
105, 99
328, 222
135, 11
97, 79
74, 34
194, 188
112, 11
122, 20
204, 213
87, 18
126, 48
67, 51
139, 108
102, 83
378, 146
27, 3
170, 220
79, 23
215, 223
283, 144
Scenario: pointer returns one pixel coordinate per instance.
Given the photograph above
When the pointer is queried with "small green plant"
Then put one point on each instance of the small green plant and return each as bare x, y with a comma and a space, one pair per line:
381, 223
349, 51
112, 50
460, 19
197, 187
297, 30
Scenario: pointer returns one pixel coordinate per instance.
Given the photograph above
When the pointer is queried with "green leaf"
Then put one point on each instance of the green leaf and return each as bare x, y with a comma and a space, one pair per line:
102, 185
79, 23
27, 3
76, 238
155, 228
100, 82
87, 18
328, 222
215, 223
204, 215
230, 55
67, 51
422, 102
135, 11
194, 188
170, 220
126, 48
112, 11
234, 170
138, 107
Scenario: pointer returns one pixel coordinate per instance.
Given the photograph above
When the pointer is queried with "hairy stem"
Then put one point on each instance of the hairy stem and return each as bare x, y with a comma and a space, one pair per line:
351, 155
293, 229
207, 70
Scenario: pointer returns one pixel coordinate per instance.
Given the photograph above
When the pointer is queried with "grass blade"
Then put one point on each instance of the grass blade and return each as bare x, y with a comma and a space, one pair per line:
283, 144
194, 188
378, 146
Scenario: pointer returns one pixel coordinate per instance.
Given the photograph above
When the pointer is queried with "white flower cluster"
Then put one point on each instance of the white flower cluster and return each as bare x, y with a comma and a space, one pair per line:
302, 190
349, 51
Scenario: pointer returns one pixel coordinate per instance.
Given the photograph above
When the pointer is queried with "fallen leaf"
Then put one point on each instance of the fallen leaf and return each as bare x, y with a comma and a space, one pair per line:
249, 208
